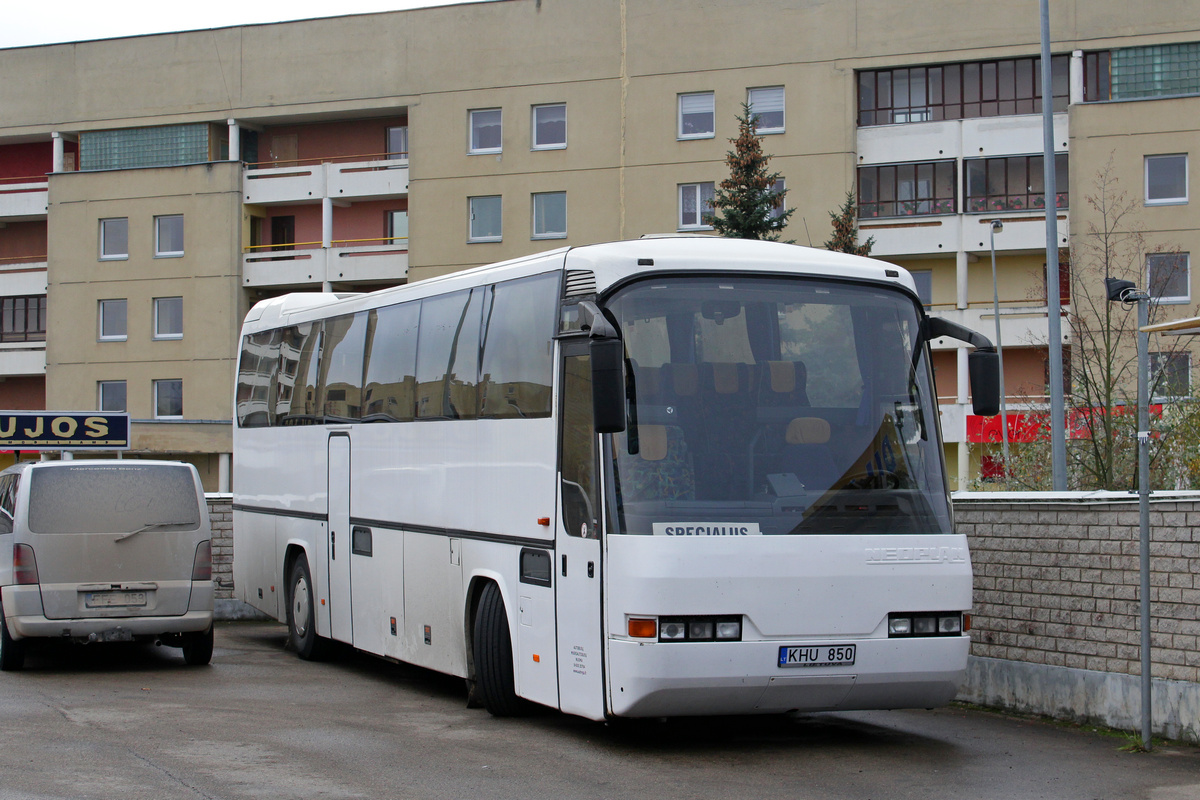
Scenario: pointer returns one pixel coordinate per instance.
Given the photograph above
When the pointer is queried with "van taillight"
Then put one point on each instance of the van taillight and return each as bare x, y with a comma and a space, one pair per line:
24, 565
202, 566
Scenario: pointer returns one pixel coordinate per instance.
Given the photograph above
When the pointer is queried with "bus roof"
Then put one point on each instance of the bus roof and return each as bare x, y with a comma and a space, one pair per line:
610, 263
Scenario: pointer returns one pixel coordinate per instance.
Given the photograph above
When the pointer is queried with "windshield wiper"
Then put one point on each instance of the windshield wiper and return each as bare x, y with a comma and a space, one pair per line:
150, 526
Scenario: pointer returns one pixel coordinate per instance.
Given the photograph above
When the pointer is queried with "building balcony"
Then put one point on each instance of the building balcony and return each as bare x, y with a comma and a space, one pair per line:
355, 178
950, 233
1024, 325
308, 264
984, 137
23, 198
22, 358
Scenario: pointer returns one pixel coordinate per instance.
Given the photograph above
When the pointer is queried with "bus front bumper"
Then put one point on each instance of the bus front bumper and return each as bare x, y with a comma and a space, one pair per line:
664, 679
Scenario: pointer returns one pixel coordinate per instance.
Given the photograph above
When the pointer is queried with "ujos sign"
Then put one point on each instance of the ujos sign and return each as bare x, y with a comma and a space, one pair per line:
63, 430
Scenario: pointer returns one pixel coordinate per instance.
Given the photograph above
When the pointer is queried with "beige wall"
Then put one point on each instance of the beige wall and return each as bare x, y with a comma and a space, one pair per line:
206, 277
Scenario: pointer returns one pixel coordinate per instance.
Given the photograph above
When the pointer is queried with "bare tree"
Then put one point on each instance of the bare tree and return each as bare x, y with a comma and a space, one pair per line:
1102, 361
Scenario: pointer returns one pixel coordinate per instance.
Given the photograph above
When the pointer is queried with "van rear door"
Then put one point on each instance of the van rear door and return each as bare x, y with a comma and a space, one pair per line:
115, 538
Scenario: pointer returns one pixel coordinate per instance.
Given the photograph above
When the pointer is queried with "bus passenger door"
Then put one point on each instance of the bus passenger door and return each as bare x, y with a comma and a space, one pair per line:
340, 624
577, 545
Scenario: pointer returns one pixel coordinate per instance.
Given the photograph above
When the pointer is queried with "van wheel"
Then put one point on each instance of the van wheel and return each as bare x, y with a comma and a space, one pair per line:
12, 652
301, 614
198, 648
493, 657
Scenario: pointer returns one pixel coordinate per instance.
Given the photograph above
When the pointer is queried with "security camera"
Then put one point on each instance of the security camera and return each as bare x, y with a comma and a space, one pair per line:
1119, 290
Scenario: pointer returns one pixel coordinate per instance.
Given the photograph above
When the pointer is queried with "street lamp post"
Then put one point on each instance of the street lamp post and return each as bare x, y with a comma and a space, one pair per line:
998, 226
1125, 292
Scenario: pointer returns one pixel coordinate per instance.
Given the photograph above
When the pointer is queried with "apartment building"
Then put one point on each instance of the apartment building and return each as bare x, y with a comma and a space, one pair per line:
153, 188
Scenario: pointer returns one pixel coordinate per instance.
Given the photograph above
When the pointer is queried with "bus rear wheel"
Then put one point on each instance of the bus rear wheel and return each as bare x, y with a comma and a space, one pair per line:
493, 656
301, 614
12, 652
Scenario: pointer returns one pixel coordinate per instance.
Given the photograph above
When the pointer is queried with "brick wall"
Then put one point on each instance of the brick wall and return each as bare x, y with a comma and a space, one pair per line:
1057, 578
220, 514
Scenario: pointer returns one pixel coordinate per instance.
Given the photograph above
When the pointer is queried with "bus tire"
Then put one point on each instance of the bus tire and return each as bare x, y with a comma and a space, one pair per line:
301, 614
12, 652
198, 648
493, 656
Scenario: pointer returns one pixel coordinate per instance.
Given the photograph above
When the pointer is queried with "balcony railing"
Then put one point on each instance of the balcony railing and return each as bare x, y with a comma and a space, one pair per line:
352, 176
381, 260
23, 197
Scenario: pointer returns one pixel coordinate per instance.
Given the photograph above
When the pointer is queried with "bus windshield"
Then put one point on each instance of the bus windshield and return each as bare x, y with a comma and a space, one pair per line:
760, 405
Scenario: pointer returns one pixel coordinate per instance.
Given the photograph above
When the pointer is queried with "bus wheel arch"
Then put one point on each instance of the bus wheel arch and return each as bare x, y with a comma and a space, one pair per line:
492, 681
300, 597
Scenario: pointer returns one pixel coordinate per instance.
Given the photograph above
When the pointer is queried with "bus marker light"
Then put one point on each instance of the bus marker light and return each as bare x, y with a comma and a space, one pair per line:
544, 522
966, 622
322, 601
537, 659
643, 628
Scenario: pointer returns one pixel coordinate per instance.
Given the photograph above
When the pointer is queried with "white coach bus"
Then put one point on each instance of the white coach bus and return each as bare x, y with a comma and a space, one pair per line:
659, 477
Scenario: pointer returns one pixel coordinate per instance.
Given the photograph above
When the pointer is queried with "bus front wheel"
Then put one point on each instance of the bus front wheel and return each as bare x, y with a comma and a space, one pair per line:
301, 614
493, 656
12, 652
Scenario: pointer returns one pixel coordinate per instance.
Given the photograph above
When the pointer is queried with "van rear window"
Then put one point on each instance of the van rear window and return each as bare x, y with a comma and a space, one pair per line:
84, 498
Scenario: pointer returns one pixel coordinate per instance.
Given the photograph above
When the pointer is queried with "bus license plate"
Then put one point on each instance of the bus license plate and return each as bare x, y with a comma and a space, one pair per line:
113, 599
825, 655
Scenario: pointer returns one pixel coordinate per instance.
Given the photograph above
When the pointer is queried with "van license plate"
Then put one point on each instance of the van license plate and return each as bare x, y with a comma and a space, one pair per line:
825, 655
113, 599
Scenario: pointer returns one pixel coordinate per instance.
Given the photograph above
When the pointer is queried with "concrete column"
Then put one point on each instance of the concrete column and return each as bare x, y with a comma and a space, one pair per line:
327, 239
235, 140
1077, 77
963, 389
59, 151
67, 455
960, 275
224, 462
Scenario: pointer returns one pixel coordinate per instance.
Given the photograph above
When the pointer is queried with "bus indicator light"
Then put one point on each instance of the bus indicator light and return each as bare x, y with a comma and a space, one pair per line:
643, 628
544, 522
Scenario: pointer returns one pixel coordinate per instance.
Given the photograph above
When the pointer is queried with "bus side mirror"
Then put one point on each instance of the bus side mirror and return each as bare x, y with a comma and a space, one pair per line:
983, 366
608, 384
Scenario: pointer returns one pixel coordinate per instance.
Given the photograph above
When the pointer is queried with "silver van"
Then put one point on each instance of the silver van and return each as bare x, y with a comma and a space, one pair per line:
104, 551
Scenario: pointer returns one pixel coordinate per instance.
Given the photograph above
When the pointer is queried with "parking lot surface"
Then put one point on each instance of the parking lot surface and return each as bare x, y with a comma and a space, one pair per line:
125, 721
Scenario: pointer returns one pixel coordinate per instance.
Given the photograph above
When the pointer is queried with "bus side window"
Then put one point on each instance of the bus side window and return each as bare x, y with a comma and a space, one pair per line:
518, 355
448, 356
390, 368
579, 499
340, 386
299, 358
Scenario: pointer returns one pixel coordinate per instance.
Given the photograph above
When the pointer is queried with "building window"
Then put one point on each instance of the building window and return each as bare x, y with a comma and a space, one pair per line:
959, 91
697, 120
779, 186
23, 319
168, 399
695, 206
550, 215
550, 127
905, 190
1014, 183
113, 320
397, 227
160, 146
1166, 179
168, 318
766, 107
397, 142
486, 131
1170, 375
168, 235
923, 278
111, 395
1167, 275
485, 223
114, 238
1132, 73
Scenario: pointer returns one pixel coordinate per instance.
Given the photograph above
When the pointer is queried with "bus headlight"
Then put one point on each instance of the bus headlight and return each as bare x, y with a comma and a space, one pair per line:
729, 630
700, 629
673, 631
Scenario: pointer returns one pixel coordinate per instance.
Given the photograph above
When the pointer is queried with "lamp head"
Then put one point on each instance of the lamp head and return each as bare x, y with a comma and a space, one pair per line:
997, 226
1119, 291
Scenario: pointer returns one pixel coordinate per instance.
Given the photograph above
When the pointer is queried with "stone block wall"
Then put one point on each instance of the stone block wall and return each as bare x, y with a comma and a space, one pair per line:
1057, 580
220, 515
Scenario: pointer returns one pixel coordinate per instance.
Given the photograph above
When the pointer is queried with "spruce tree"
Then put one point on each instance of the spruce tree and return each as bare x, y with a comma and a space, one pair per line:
746, 205
845, 230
